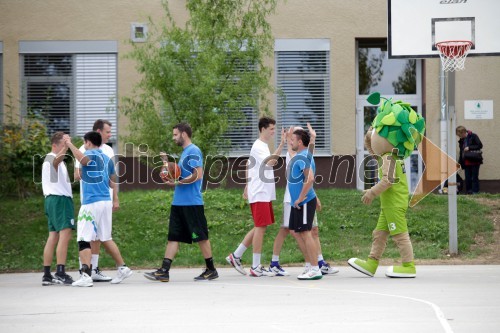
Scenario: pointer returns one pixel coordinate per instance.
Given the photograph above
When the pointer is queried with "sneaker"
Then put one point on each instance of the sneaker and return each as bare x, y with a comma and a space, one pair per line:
278, 270
64, 279
158, 275
48, 280
368, 267
260, 271
407, 270
311, 274
98, 276
207, 274
122, 273
84, 281
327, 269
236, 263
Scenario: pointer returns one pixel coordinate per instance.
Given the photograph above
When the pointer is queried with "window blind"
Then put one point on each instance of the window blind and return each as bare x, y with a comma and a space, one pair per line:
95, 91
303, 80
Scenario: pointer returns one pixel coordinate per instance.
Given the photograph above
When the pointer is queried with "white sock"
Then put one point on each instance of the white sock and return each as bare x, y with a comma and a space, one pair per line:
320, 257
256, 260
315, 268
80, 261
275, 258
307, 265
94, 261
240, 250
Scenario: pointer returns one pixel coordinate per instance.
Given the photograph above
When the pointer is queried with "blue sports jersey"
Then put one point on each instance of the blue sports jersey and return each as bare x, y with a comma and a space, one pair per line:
189, 194
95, 177
295, 172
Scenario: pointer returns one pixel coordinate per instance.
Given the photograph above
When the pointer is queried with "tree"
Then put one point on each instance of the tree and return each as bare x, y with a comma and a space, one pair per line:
204, 73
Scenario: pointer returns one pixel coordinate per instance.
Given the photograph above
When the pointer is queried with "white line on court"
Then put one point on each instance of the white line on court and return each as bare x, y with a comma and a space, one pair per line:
437, 311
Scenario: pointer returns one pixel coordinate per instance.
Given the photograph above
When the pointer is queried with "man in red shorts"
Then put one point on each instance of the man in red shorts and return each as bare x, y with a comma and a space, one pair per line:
260, 192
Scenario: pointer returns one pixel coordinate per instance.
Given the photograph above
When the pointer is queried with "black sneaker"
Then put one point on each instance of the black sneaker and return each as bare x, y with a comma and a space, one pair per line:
48, 280
207, 274
64, 279
159, 275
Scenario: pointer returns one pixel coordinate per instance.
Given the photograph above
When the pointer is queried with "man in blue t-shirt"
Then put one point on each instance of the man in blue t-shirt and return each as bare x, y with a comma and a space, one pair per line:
187, 222
300, 180
94, 217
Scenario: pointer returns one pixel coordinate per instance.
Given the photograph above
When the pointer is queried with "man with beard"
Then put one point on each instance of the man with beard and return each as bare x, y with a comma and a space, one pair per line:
187, 217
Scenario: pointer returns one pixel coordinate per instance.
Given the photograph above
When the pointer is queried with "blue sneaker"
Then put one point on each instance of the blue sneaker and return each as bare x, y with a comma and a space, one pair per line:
277, 269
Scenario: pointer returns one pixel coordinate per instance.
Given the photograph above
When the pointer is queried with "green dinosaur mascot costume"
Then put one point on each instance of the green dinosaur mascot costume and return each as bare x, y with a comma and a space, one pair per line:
396, 131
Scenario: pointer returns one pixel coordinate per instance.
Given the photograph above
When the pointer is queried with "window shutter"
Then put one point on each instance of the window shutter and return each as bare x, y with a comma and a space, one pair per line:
303, 79
47, 85
95, 91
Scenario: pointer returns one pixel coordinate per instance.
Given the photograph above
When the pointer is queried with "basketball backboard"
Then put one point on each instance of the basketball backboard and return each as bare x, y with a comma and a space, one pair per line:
415, 26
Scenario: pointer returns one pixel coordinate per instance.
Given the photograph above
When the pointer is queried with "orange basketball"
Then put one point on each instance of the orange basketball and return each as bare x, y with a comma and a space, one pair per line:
170, 171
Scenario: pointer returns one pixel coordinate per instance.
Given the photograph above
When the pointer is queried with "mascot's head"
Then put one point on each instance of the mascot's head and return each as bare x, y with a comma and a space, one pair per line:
396, 125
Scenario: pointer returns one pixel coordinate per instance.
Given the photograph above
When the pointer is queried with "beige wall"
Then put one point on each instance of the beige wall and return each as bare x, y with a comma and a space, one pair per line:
340, 21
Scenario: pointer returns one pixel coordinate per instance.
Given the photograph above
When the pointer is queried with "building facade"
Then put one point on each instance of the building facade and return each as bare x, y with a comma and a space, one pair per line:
64, 59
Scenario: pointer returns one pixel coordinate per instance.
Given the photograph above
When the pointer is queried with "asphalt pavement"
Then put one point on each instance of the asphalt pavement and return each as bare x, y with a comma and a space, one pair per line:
441, 299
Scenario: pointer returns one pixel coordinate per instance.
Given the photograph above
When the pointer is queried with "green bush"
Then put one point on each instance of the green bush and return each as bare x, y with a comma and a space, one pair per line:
22, 147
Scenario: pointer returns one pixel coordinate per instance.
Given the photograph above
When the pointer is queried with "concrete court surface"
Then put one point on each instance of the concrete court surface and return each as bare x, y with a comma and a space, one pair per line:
440, 299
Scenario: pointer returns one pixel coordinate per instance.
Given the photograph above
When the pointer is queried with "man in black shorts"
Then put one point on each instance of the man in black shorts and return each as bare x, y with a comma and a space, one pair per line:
187, 216
300, 179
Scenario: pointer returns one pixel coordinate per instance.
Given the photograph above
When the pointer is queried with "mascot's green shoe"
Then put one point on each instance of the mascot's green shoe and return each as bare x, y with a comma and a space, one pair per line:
368, 267
407, 270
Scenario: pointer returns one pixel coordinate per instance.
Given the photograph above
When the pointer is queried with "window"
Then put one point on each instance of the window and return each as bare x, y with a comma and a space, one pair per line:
138, 32
243, 131
70, 84
303, 82
70, 91
387, 76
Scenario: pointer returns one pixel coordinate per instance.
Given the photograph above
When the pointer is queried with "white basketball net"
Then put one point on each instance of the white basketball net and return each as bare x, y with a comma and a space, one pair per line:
453, 54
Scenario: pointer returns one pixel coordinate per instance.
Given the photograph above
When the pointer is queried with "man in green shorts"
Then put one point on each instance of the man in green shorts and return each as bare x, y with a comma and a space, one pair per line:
59, 210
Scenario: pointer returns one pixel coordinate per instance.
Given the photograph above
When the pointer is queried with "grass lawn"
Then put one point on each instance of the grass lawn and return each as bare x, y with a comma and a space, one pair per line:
140, 229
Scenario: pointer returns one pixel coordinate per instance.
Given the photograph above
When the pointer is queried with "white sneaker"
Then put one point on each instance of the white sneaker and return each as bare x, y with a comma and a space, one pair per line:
312, 274
84, 281
122, 273
98, 276
260, 271
327, 269
236, 263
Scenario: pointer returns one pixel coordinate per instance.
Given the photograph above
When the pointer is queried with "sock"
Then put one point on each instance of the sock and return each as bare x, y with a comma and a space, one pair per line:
80, 263
275, 258
166, 264
240, 250
307, 265
210, 264
86, 269
256, 260
315, 268
320, 257
60, 270
94, 261
46, 270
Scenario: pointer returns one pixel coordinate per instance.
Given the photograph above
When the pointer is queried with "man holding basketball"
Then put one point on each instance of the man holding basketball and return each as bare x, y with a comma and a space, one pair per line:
187, 222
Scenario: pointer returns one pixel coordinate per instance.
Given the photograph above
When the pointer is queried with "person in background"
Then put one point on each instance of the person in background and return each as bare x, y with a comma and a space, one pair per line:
469, 141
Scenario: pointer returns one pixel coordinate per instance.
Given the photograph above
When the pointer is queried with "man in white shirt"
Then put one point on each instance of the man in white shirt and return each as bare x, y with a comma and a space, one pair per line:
59, 210
102, 127
260, 192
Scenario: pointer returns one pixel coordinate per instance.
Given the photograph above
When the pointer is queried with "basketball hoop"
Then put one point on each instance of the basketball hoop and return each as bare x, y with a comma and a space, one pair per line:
453, 54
